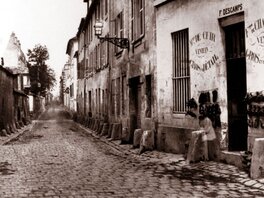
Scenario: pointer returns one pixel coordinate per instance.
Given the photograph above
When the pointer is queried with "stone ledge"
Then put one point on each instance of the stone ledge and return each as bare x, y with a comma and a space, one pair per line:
233, 158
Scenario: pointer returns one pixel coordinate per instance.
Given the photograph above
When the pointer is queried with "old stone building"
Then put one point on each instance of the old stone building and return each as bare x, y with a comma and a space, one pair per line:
116, 84
14, 87
7, 116
211, 51
172, 65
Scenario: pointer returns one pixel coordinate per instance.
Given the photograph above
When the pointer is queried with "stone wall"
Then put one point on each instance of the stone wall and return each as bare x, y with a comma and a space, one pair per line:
6, 98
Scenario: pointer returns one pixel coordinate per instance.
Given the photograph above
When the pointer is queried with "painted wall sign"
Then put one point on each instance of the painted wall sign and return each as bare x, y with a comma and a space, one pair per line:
231, 10
255, 36
202, 47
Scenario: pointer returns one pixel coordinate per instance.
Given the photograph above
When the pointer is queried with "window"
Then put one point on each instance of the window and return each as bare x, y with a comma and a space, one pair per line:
123, 94
113, 97
106, 102
118, 96
103, 54
99, 101
96, 58
97, 11
103, 102
71, 90
90, 101
119, 30
106, 7
148, 96
181, 70
137, 19
96, 101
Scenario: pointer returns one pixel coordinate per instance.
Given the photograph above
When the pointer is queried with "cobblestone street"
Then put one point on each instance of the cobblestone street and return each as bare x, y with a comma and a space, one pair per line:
58, 158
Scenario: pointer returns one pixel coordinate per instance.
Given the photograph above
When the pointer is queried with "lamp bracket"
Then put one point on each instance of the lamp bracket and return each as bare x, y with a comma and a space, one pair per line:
120, 42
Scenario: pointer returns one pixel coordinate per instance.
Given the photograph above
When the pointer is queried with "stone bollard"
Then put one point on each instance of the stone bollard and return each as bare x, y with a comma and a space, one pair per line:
7, 130
17, 125
97, 125
3, 132
11, 128
109, 134
100, 127
93, 124
21, 124
14, 127
105, 129
86, 121
90, 123
147, 141
137, 137
125, 136
116, 131
257, 161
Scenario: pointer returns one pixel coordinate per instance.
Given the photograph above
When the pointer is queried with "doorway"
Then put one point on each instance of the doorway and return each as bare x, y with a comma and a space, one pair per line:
134, 105
236, 86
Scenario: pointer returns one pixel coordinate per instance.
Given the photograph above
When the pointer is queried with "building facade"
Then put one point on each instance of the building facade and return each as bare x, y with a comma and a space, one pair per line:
212, 52
117, 85
72, 50
7, 117
14, 87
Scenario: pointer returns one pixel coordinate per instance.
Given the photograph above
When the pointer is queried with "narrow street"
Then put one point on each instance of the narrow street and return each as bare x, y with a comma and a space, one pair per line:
60, 159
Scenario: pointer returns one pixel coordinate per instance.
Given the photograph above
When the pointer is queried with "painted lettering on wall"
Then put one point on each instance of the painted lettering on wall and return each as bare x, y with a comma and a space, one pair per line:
231, 10
252, 56
202, 46
255, 37
206, 65
202, 36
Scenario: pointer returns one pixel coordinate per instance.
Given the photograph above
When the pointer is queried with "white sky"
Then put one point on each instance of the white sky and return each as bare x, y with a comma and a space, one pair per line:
46, 22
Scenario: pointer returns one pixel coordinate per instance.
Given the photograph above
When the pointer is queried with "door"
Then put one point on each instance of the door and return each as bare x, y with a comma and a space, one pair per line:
134, 105
236, 86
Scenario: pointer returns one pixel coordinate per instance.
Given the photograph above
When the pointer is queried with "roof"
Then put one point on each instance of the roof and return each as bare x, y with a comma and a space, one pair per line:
20, 92
7, 71
81, 27
70, 44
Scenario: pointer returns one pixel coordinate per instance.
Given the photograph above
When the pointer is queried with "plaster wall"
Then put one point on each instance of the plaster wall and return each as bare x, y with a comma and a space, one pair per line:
202, 19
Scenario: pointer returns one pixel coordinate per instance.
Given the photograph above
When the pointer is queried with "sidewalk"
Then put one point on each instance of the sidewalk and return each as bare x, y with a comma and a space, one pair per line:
176, 162
5, 139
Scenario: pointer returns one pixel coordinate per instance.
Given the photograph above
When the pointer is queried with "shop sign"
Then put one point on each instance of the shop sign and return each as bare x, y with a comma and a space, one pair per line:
231, 10
202, 51
255, 37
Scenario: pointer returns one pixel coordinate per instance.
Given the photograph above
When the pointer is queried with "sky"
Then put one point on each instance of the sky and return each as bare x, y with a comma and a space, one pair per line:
46, 22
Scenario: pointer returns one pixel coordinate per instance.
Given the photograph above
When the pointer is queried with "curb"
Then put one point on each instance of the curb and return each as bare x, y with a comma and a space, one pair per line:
90, 132
109, 142
21, 131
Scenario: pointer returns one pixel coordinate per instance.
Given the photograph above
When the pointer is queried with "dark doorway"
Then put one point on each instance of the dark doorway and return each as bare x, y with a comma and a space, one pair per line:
134, 105
236, 86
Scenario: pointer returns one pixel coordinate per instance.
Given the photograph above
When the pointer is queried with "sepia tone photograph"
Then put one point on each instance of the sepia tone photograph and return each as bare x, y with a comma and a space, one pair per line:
131, 99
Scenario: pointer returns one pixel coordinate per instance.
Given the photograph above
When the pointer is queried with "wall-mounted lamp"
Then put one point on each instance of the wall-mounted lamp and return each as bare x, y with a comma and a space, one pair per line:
120, 42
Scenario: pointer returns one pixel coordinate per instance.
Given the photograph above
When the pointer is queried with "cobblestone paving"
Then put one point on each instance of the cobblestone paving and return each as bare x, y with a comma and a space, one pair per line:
59, 159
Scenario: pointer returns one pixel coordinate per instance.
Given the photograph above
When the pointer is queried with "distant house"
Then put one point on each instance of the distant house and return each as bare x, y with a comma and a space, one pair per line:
15, 61
72, 48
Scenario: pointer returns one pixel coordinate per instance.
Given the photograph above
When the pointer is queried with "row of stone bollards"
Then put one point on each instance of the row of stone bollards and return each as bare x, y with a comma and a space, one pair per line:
144, 140
13, 127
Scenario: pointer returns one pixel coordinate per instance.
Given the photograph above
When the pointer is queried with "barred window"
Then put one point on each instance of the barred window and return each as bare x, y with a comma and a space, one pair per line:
181, 70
